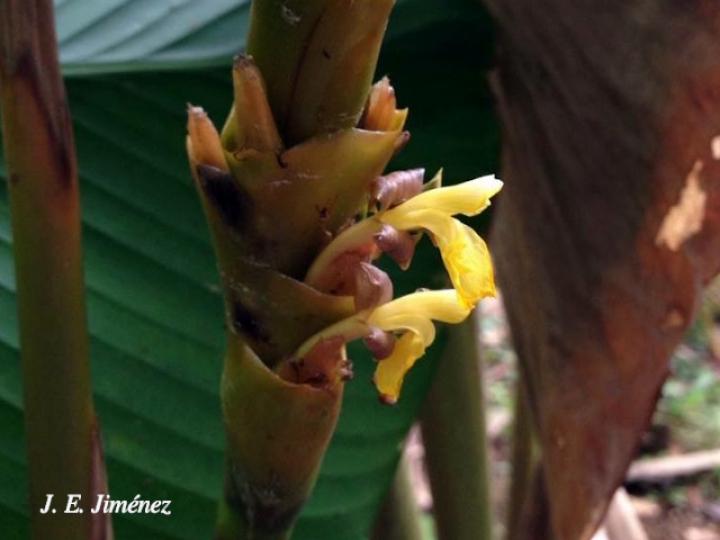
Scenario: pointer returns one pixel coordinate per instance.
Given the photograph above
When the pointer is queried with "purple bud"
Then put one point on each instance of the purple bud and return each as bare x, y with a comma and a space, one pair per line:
372, 287
399, 245
380, 343
396, 187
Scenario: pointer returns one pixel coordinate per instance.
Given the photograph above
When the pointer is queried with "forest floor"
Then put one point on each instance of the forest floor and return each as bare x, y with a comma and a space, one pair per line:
682, 505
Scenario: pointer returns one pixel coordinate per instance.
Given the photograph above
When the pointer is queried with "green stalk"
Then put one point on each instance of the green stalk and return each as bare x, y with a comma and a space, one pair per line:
62, 440
290, 170
525, 460
291, 424
320, 82
399, 516
454, 432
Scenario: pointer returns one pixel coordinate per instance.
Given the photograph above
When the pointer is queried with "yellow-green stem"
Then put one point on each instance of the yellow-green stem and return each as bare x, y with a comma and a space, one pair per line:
399, 516
62, 440
277, 435
454, 432
525, 460
318, 58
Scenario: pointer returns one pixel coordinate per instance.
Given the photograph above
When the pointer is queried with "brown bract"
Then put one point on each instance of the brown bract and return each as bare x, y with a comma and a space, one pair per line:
607, 108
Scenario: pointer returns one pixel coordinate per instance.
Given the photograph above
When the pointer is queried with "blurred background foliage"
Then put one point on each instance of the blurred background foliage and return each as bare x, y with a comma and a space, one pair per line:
690, 403
154, 304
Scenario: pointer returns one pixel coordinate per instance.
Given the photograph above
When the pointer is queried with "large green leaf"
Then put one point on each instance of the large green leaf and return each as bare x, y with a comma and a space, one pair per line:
120, 35
102, 36
154, 303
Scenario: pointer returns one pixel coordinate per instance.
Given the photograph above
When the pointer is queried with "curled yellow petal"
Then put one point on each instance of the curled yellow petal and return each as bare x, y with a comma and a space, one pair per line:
468, 198
440, 305
467, 259
390, 373
464, 253
413, 315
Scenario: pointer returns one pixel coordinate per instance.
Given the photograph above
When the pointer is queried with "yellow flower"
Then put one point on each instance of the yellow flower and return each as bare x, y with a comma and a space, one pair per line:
464, 253
413, 315
468, 198
390, 372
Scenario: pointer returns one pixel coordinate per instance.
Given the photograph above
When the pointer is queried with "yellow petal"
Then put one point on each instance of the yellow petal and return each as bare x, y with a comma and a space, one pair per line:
422, 326
390, 372
468, 198
431, 210
464, 253
467, 259
349, 329
439, 223
440, 305
414, 314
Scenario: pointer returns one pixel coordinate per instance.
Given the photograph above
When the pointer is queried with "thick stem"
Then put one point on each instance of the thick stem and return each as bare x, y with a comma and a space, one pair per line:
62, 441
453, 427
318, 58
277, 435
399, 516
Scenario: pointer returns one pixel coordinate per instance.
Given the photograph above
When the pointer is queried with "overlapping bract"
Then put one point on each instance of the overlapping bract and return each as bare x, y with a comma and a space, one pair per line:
293, 210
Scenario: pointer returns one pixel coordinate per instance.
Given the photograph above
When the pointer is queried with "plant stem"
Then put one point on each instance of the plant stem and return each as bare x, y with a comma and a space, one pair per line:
528, 505
525, 459
399, 516
231, 526
453, 427
277, 434
62, 440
